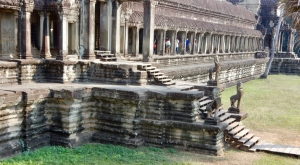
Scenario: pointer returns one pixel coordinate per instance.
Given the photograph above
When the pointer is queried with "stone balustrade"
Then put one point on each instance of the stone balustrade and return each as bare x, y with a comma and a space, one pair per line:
181, 60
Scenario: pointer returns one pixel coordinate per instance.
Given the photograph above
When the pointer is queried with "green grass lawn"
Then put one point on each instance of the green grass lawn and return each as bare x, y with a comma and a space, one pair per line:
273, 105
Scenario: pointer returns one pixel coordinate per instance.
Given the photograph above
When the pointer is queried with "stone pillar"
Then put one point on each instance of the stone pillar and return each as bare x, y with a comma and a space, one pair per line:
223, 44
136, 41
220, 45
17, 51
126, 37
199, 46
237, 48
229, 44
106, 24
241, 49
232, 50
281, 42
148, 32
212, 43
45, 53
26, 35
173, 42
259, 44
90, 47
193, 46
183, 45
116, 15
251, 44
247, 44
63, 37
291, 41
41, 34
162, 42
255, 44
206, 44
76, 37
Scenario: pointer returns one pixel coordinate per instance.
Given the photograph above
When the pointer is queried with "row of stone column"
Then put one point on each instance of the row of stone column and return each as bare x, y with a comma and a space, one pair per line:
112, 10
44, 37
289, 37
200, 42
207, 42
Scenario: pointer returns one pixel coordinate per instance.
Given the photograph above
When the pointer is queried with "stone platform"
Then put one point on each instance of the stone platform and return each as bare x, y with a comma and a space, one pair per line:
42, 114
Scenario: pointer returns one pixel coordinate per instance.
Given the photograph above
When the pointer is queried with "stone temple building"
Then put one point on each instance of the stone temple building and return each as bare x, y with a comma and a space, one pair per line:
54, 29
268, 16
73, 72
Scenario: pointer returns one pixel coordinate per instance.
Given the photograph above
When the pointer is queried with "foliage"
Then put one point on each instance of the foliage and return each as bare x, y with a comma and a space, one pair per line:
291, 10
92, 154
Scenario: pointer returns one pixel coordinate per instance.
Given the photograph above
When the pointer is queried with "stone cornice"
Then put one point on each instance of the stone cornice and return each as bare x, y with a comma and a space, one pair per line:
203, 11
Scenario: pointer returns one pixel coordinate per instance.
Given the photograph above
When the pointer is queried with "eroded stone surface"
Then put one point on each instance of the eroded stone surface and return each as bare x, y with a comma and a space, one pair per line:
71, 115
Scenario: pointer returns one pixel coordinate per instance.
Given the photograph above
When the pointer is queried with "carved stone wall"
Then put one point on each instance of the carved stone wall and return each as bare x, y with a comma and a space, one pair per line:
117, 73
37, 71
231, 72
9, 73
73, 115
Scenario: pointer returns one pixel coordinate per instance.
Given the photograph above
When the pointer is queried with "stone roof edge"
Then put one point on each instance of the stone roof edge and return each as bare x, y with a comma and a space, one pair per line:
173, 4
140, 25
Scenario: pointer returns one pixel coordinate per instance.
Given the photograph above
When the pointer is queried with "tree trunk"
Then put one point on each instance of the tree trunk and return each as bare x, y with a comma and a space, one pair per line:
274, 43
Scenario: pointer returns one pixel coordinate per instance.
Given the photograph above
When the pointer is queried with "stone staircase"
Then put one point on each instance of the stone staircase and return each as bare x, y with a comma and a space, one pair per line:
238, 136
105, 55
155, 75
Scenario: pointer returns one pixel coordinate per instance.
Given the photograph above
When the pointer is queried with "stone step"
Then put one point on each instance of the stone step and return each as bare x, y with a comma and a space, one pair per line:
154, 71
165, 80
168, 83
236, 130
150, 68
202, 109
204, 98
109, 59
246, 138
232, 126
250, 143
192, 90
157, 74
106, 55
221, 112
229, 121
225, 116
143, 66
98, 52
160, 77
241, 134
205, 102
189, 88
